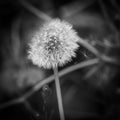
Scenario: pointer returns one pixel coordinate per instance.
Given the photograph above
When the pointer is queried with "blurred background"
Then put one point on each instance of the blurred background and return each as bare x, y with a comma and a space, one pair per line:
91, 93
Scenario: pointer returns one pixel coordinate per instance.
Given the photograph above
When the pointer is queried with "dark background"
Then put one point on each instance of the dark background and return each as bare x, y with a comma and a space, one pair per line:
86, 98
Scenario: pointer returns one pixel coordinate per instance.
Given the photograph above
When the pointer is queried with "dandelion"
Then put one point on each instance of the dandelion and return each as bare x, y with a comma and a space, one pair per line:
53, 45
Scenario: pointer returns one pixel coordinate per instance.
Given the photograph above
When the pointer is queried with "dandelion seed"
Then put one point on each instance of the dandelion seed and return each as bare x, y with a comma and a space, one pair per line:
53, 45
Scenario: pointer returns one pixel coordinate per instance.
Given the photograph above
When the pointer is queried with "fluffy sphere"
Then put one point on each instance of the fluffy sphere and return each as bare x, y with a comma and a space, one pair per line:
54, 44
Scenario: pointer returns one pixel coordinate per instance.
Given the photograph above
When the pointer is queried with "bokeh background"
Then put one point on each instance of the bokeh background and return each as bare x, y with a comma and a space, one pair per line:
92, 93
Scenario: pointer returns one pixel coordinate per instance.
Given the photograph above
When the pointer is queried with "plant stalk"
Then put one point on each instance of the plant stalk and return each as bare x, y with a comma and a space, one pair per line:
59, 96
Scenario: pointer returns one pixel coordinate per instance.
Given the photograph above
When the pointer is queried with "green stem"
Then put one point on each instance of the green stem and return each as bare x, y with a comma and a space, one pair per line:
59, 97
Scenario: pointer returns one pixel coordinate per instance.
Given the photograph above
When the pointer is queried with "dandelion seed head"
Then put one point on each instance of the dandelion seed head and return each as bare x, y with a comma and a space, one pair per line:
54, 44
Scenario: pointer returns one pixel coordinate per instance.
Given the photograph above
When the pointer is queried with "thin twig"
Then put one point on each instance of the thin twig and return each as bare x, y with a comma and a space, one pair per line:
92, 71
12, 102
89, 47
35, 11
39, 84
101, 56
104, 11
15, 30
32, 111
110, 60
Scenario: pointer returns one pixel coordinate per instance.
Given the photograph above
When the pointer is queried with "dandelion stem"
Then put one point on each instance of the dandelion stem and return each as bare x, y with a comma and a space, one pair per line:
59, 96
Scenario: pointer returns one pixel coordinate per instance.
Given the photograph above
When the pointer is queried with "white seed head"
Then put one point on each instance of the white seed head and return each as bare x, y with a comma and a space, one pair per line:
53, 45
